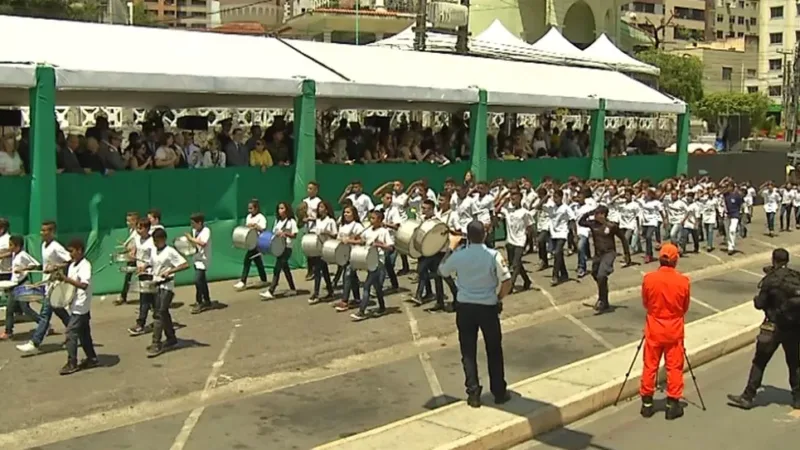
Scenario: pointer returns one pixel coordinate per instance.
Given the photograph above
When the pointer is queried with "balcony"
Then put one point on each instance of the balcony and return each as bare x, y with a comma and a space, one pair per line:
374, 19
398, 6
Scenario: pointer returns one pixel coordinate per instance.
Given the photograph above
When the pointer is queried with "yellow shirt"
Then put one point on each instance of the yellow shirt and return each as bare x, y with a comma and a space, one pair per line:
260, 158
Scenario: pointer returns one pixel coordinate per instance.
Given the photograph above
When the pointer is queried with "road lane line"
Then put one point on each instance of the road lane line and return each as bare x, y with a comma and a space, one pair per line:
705, 305
711, 255
575, 320
765, 243
424, 359
211, 383
755, 274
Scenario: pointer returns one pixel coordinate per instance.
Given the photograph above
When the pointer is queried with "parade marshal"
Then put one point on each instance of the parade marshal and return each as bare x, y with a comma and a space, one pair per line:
483, 280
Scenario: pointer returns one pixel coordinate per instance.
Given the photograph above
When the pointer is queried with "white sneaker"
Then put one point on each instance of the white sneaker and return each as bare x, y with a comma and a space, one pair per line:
239, 286
266, 295
27, 347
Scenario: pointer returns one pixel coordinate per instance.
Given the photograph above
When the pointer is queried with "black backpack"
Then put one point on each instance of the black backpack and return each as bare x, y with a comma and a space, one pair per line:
785, 281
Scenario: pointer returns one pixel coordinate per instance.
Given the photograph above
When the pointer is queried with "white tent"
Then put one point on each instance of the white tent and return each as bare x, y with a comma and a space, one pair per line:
404, 40
498, 34
602, 49
511, 85
15, 80
554, 42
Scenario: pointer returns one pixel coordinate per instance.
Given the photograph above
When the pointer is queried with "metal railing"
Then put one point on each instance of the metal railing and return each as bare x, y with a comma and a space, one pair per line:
406, 6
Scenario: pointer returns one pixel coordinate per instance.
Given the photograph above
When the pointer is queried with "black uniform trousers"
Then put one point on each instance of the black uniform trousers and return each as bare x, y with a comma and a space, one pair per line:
470, 318
766, 345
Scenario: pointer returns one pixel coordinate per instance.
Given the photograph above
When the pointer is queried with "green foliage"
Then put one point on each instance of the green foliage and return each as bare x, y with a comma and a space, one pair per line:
723, 103
84, 10
681, 76
141, 17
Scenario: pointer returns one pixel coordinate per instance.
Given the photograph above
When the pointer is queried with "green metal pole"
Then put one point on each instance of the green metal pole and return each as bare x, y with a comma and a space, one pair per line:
598, 141
684, 123
478, 113
305, 132
358, 31
44, 192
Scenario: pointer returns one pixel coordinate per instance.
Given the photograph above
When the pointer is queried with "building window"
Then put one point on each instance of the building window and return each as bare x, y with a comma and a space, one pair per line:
751, 73
720, 34
689, 13
752, 89
741, 4
775, 38
688, 34
740, 20
775, 91
775, 64
727, 73
732, 20
752, 21
643, 7
720, 18
797, 35
797, 7
776, 12
740, 34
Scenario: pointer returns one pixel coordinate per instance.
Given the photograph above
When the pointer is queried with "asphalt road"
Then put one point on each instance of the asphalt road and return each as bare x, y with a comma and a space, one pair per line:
285, 375
773, 424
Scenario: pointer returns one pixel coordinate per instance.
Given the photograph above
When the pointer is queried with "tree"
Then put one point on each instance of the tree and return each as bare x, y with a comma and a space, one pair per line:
143, 18
84, 10
717, 104
681, 75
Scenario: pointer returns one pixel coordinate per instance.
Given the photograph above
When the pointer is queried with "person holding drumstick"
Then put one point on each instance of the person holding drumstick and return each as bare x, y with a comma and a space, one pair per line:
143, 249
286, 228
201, 238
22, 262
428, 266
377, 236
79, 275
255, 221
350, 229
392, 218
325, 227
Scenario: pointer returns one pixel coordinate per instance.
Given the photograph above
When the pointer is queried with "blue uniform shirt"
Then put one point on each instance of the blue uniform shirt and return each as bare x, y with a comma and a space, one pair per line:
479, 271
733, 205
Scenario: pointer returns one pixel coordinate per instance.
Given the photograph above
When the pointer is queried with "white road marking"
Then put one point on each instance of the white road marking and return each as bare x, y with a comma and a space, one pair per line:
705, 305
211, 382
575, 320
711, 255
755, 274
765, 243
424, 359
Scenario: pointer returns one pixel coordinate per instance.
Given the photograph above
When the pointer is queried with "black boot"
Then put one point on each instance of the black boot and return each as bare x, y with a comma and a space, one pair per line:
740, 401
796, 403
474, 398
674, 409
647, 410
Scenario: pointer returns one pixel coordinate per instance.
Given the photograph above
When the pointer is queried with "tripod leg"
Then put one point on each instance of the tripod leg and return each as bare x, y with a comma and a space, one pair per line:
694, 379
628, 374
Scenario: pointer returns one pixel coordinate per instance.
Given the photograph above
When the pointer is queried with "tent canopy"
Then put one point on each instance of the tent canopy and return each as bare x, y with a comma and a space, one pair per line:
15, 81
498, 34
554, 42
602, 49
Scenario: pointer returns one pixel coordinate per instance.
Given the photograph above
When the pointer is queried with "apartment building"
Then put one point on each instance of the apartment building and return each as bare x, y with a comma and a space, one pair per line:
729, 65
267, 13
778, 37
180, 13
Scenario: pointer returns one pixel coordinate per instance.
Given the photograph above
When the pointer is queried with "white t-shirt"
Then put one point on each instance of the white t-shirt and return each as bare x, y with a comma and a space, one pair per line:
287, 226
543, 218
529, 198
22, 260
202, 259
787, 196
415, 200
393, 216
325, 226
559, 220
371, 235
583, 210
485, 206
772, 199
363, 204
352, 229
466, 210
629, 214
156, 227
651, 212
10, 164
258, 220
5, 263
708, 210
53, 255
144, 248
676, 211
692, 211
82, 300
163, 260
517, 222
312, 204
399, 202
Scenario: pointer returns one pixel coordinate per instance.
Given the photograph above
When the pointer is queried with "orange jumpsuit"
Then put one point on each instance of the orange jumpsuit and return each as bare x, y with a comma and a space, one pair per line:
665, 295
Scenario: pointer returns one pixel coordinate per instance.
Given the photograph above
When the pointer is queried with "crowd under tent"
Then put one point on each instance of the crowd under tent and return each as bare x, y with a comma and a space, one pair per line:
603, 50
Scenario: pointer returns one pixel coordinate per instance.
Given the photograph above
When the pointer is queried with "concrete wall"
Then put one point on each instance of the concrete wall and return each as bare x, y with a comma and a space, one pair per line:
756, 167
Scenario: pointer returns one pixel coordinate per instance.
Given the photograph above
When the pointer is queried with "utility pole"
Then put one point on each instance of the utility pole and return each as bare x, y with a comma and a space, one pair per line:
421, 27
785, 87
795, 90
462, 34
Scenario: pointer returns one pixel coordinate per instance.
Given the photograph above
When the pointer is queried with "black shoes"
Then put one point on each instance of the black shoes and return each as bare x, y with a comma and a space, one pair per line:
647, 410
796, 403
503, 398
740, 401
674, 409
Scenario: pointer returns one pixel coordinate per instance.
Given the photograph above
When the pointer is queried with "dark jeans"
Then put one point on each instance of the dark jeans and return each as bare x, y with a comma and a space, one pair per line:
126, 284
253, 257
146, 303
162, 320
351, 284
373, 281
201, 294
428, 268
559, 265
321, 272
282, 265
541, 242
685, 233
583, 253
469, 319
602, 268
79, 330
515, 259
391, 258
766, 345
771, 221
44, 321
786, 216
26, 309
650, 233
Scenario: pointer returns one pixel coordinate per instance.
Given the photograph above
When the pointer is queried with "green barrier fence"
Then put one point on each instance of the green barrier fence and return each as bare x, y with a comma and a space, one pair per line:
94, 207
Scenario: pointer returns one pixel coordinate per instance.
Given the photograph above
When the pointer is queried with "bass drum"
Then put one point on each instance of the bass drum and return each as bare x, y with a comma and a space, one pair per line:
184, 247
61, 295
244, 238
431, 237
404, 239
270, 243
335, 252
312, 245
364, 257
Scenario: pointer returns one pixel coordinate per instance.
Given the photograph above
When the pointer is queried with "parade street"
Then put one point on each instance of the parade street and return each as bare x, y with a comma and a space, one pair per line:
771, 424
281, 374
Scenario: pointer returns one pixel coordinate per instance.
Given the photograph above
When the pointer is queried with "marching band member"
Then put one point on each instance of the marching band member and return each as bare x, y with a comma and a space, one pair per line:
285, 227
201, 238
708, 212
377, 236
518, 221
324, 226
771, 201
22, 263
399, 201
676, 212
428, 266
450, 219
339, 222
131, 219
560, 216
255, 221
55, 258
142, 254
689, 224
542, 207
5, 248
363, 203
733, 212
165, 262
392, 218
629, 219
484, 206
154, 216
585, 204
348, 231
79, 275
652, 216
603, 234
465, 210
307, 213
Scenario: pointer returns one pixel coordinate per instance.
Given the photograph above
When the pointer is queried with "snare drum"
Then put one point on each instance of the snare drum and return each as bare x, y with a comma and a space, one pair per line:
364, 257
335, 252
61, 294
121, 258
312, 245
244, 238
184, 247
28, 293
268, 242
147, 284
431, 237
404, 239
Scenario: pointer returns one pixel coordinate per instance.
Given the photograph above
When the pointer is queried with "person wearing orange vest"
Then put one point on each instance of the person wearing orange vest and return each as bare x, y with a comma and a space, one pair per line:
665, 295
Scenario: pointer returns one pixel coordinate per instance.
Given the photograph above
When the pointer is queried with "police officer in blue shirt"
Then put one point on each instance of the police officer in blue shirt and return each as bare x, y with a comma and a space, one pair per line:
480, 271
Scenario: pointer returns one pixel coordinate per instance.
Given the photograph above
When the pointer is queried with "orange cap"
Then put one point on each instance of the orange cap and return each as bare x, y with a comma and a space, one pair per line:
669, 252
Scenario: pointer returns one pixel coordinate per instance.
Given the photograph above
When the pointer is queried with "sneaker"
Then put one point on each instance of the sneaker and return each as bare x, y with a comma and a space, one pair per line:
154, 350
69, 369
740, 401
437, 308
647, 411
378, 312
358, 316
196, 309
88, 363
416, 301
28, 347
120, 301
170, 344
138, 330
266, 295
504, 398
239, 286
341, 306
474, 400
313, 300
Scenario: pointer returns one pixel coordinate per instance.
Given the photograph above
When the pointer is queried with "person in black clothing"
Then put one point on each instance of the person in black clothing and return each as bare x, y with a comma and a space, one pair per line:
604, 234
777, 297
90, 159
67, 156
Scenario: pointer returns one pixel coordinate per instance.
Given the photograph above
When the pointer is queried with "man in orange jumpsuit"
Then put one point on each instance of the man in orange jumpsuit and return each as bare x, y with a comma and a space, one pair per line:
665, 295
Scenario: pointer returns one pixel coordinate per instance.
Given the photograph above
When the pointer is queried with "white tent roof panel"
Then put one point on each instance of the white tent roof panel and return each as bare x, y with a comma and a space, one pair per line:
602, 49
554, 42
496, 33
15, 80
